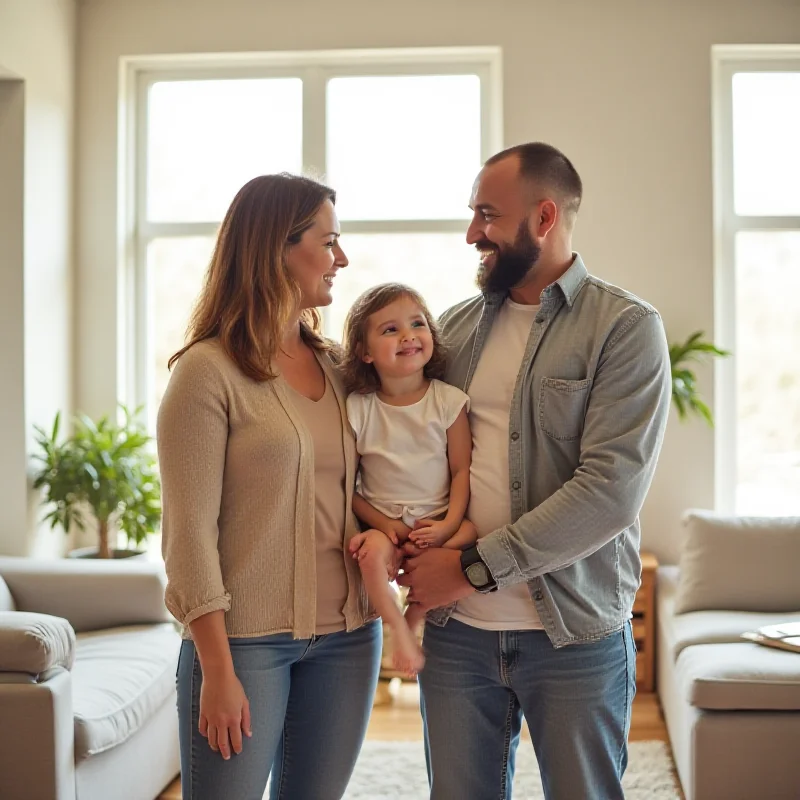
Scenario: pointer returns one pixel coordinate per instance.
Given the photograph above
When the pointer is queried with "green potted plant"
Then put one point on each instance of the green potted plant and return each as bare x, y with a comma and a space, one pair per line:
685, 395
106, 469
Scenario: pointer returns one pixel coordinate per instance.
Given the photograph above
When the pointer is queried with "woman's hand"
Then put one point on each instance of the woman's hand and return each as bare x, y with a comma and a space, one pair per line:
224, 712
375, 541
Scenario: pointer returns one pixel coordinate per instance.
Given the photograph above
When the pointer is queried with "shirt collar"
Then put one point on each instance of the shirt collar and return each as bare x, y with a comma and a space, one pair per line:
570, 284
572, 280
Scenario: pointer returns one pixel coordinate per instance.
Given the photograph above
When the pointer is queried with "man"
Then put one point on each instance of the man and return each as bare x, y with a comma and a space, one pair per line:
569, 383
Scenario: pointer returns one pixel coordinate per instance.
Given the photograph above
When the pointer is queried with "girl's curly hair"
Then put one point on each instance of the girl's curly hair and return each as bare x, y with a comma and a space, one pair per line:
361, 377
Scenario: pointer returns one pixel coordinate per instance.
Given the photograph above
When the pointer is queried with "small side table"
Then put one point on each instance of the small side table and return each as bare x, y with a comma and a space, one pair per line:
644, 625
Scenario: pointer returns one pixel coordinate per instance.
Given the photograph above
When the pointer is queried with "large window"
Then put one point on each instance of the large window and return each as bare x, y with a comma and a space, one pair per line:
757, 130
400, 135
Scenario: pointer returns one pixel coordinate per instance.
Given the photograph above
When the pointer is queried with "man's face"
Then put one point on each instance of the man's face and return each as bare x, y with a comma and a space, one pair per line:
500, 227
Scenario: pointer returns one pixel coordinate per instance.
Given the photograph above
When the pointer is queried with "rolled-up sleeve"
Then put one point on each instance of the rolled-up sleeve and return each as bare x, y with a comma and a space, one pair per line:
192, 435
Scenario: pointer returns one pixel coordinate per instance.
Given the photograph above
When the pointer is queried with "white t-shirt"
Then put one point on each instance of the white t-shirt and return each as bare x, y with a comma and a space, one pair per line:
490, 394
404, 470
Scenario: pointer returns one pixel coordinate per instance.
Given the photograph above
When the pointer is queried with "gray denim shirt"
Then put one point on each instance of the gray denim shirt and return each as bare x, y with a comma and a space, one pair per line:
586, 425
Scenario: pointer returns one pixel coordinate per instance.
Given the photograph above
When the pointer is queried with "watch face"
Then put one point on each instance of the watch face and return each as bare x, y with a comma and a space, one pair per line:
477, 574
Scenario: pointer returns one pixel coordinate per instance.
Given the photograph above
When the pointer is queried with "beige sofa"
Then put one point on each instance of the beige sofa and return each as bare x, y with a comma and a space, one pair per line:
732, 707
87, 681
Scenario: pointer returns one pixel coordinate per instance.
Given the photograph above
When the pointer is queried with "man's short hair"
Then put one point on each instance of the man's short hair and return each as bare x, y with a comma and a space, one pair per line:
550, 168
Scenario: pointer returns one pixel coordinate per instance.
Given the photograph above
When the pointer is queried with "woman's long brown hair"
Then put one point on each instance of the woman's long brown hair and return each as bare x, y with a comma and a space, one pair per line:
248, 297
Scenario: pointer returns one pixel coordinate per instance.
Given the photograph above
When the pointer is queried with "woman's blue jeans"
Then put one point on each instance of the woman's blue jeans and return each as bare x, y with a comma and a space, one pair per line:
310, 701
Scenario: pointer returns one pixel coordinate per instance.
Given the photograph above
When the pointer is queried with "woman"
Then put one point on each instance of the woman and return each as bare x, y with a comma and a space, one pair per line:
280, 654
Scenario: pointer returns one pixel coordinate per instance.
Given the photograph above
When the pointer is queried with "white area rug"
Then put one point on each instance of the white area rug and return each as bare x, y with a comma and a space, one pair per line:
395, 770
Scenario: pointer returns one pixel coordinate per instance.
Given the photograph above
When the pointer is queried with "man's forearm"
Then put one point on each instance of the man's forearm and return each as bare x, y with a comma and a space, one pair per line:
564, 529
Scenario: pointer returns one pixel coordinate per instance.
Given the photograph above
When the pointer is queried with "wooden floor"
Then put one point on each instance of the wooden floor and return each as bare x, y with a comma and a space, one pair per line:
396, 717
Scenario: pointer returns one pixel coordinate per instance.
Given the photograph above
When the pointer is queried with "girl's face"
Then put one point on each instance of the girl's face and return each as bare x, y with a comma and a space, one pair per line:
314, 261
399, 342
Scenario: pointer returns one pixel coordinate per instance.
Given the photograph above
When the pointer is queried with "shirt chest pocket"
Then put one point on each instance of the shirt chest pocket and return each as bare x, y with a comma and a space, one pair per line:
562, 407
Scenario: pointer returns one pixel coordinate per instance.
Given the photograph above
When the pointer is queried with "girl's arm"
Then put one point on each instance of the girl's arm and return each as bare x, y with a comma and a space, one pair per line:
395, 529
459, 456
464, 537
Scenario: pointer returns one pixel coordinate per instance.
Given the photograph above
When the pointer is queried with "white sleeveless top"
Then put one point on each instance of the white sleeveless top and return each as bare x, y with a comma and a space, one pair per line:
404, 471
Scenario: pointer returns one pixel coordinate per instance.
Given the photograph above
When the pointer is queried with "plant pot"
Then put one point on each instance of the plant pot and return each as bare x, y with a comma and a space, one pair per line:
91, 552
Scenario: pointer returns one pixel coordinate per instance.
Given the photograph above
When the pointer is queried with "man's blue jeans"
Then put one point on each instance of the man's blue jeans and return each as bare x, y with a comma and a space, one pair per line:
310, 701
478, 684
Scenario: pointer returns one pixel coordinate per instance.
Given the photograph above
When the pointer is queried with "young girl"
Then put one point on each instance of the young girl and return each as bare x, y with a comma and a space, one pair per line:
414, 440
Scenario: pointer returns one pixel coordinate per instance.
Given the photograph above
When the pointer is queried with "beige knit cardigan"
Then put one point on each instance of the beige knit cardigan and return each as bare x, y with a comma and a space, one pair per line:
237, 471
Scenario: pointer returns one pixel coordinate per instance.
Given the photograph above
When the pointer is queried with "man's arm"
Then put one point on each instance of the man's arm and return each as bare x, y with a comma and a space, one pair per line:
624, 427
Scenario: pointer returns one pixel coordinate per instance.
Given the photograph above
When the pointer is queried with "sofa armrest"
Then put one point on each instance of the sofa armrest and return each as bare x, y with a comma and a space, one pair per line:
90, 595
37, 758
35, 643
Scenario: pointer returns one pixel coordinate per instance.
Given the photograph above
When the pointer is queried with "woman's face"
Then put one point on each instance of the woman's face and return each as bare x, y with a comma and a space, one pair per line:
314, 261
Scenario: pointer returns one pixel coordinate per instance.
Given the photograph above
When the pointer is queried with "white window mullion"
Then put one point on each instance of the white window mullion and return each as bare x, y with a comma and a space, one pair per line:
140, 323
724, 289
152, 230
405, 225
315, 81
738, 223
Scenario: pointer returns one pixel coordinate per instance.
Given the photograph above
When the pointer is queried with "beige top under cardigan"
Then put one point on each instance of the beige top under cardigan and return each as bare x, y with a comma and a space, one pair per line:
323, 421
237, 471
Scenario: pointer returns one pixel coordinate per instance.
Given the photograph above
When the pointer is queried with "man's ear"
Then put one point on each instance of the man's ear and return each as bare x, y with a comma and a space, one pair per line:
545, 218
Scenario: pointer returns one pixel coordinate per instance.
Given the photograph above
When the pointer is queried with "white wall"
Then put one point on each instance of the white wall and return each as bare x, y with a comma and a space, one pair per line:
622, 86
13, 489
37, 50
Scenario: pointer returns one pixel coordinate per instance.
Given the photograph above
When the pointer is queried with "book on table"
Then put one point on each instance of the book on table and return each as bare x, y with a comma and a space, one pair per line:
785, 636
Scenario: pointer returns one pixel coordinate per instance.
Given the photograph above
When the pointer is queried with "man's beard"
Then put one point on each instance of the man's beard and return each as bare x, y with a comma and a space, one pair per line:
512, 263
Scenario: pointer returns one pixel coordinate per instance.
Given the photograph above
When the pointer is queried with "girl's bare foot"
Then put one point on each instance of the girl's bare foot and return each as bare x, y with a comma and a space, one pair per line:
406, 653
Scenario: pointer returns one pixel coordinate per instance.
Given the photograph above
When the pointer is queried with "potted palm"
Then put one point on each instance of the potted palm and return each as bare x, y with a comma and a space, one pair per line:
685, 395
104, 469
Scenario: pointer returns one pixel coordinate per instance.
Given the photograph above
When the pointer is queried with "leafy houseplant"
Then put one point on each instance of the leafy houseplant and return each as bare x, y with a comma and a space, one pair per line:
106, 468
684, 383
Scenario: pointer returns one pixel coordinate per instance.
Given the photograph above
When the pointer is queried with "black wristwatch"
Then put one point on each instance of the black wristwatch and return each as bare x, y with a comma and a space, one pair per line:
476, 571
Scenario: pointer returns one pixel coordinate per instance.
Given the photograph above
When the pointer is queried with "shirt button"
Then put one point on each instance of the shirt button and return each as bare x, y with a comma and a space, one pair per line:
538, 596
516, 485
539, 318
514, 436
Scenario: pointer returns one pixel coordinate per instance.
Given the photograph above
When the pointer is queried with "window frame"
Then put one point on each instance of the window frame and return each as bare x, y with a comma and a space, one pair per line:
315, 69
726, 61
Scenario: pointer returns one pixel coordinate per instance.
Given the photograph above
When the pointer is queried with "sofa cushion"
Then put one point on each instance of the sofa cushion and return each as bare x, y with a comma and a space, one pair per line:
704, 627
34, 643
121, 677
739, 564
739, 677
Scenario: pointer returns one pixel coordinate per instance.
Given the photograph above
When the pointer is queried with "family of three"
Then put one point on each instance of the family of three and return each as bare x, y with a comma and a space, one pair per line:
494, 462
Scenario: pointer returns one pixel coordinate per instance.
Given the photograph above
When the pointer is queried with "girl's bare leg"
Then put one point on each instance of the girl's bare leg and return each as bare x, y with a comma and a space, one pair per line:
415, 617
375, 558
